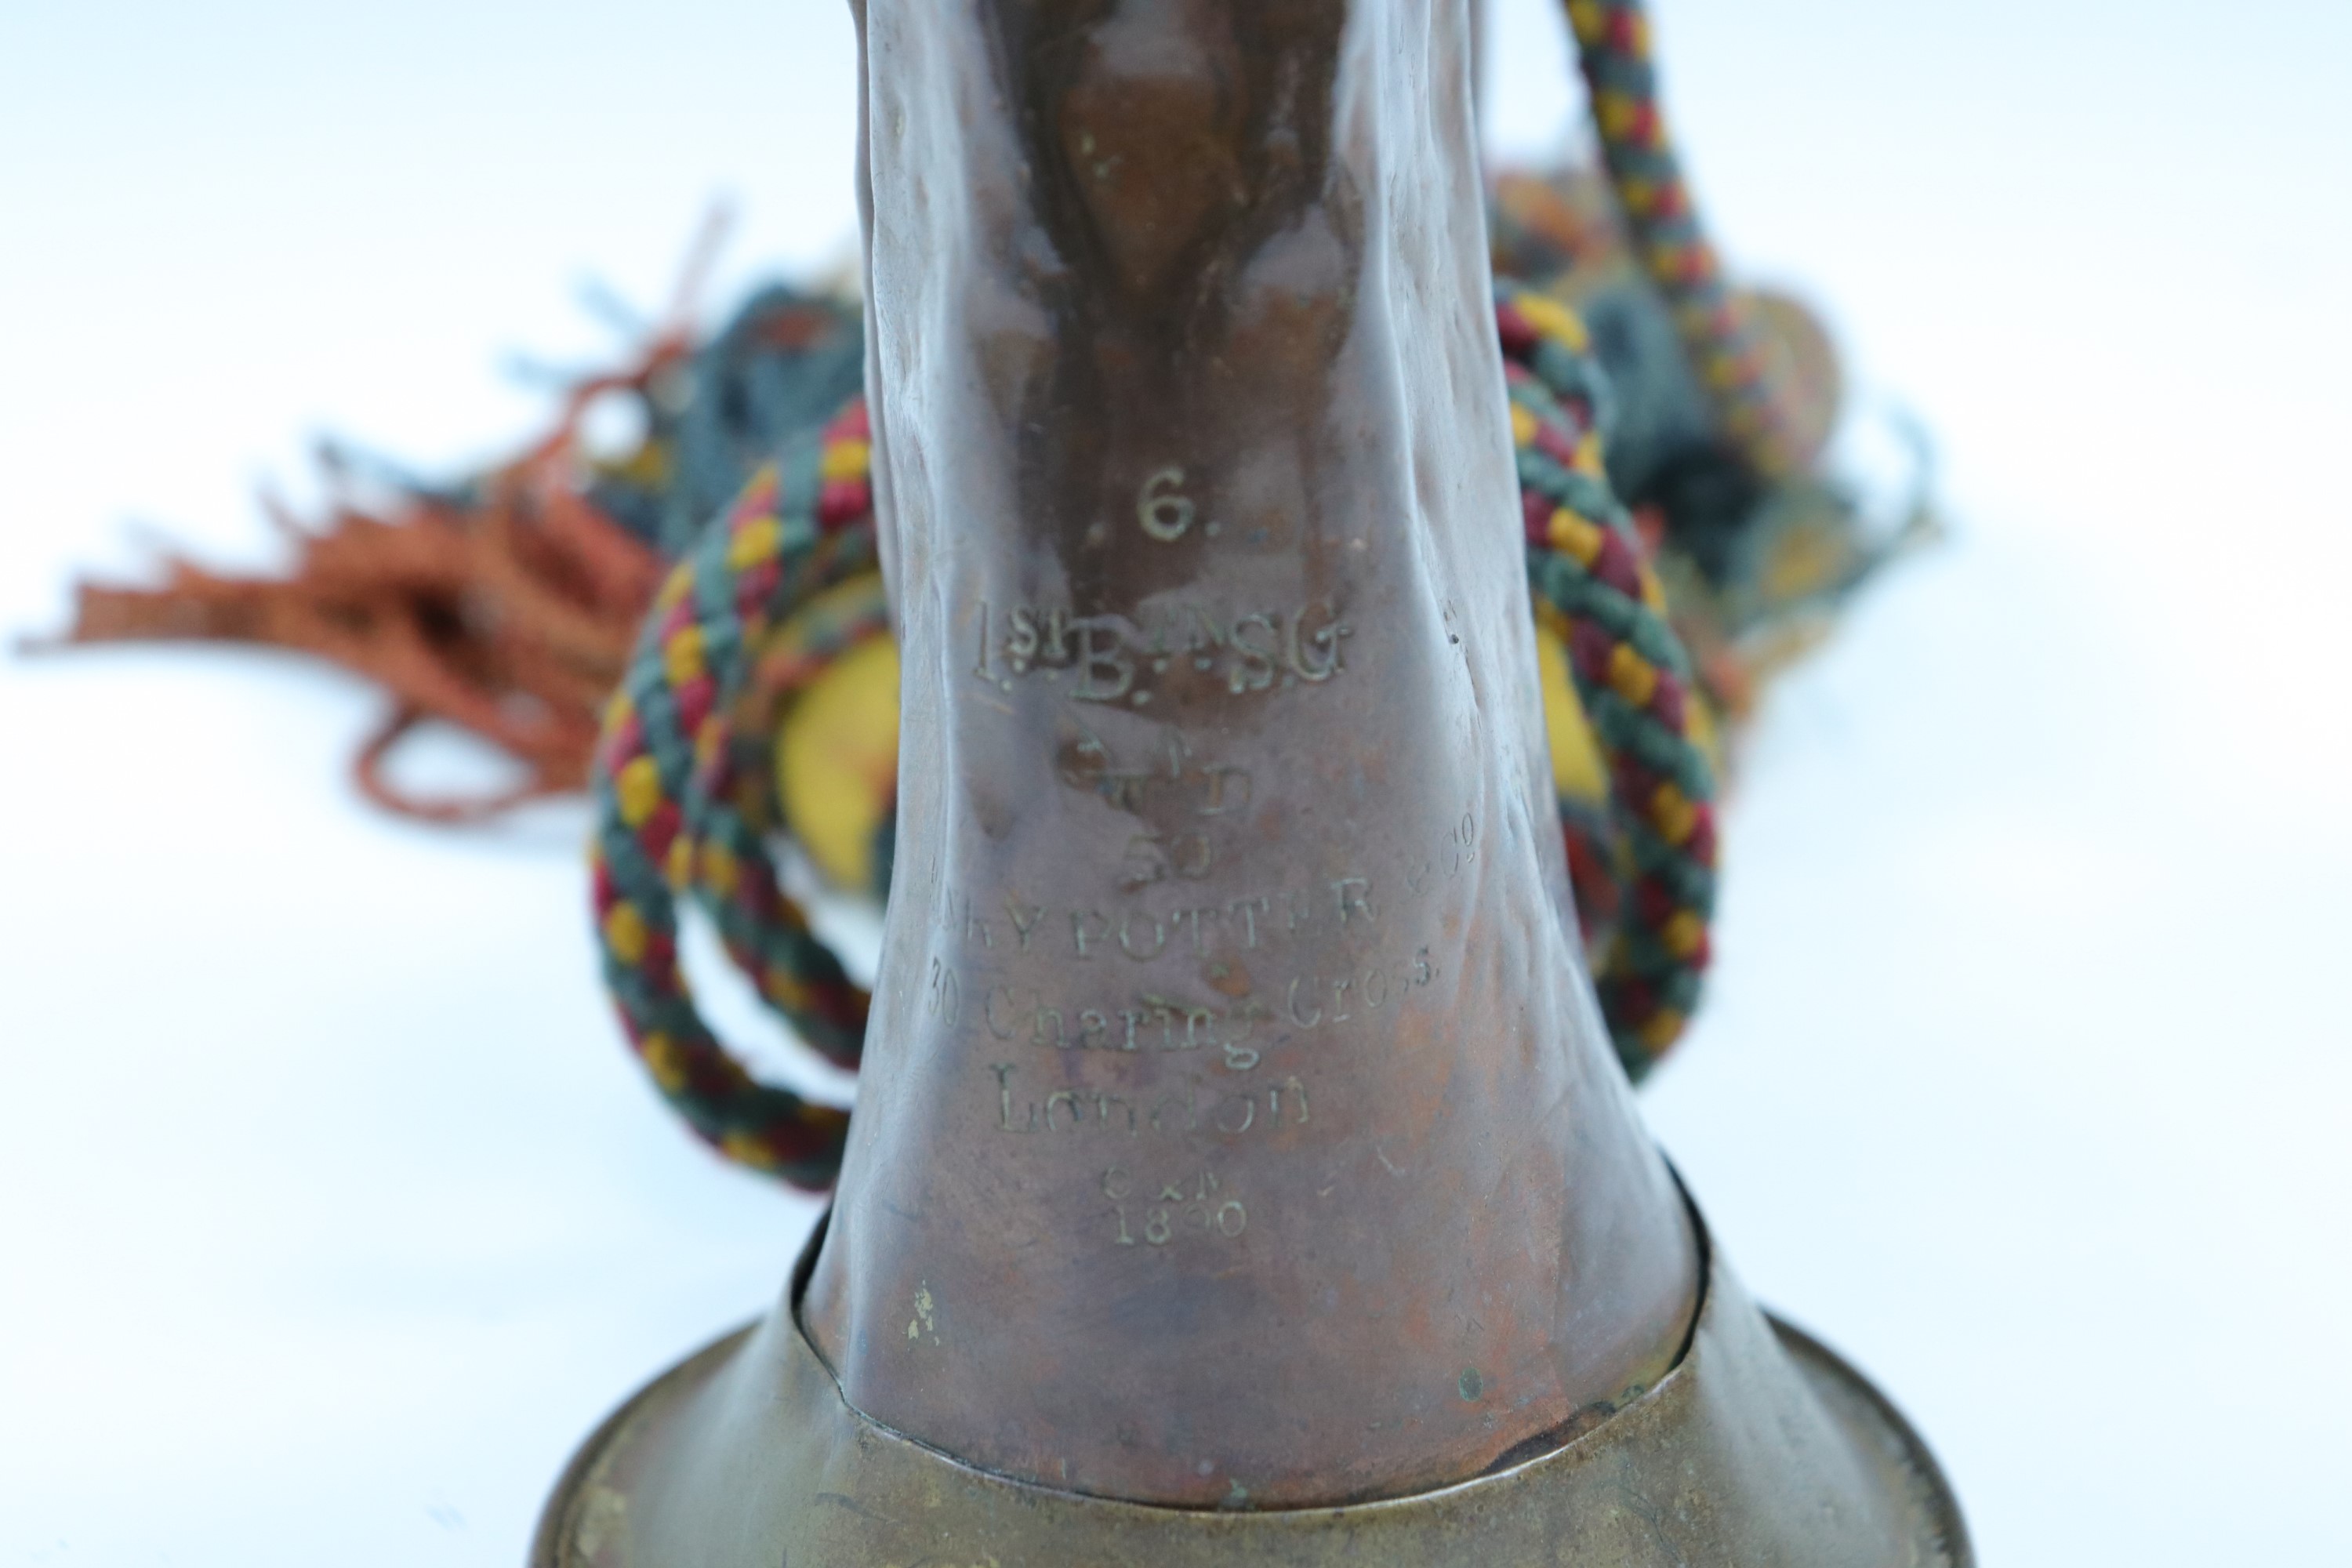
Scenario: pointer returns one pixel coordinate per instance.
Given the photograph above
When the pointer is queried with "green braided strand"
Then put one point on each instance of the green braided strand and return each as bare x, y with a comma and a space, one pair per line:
677, 809
1614, 51
1589, 574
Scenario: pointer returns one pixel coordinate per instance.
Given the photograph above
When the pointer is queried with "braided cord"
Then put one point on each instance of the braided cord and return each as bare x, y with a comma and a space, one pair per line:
790, 660
1613, 39
1594, 587
677, 811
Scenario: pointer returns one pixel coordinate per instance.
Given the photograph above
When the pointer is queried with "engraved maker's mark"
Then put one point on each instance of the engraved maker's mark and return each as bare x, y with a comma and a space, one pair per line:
1190, 1109
1196, 1204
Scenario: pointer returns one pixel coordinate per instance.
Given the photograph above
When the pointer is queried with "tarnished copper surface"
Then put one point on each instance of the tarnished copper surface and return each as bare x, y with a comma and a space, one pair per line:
1239, 1172
1235, 1127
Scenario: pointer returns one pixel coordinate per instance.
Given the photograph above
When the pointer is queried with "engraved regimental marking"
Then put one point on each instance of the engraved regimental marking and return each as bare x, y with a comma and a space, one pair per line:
1163, 511
1114, 659
1155, 857
1207, 789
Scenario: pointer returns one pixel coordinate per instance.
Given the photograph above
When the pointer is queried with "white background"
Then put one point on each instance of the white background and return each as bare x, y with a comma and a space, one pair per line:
332, 1212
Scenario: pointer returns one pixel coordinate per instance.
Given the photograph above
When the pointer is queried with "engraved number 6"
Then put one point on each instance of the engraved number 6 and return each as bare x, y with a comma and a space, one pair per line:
1165, 515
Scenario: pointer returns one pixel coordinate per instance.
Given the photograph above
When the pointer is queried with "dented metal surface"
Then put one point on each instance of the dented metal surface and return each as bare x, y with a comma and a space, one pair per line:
1240, 1170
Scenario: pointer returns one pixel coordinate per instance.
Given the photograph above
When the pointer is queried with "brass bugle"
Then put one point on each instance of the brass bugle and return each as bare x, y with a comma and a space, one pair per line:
1240, 1170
